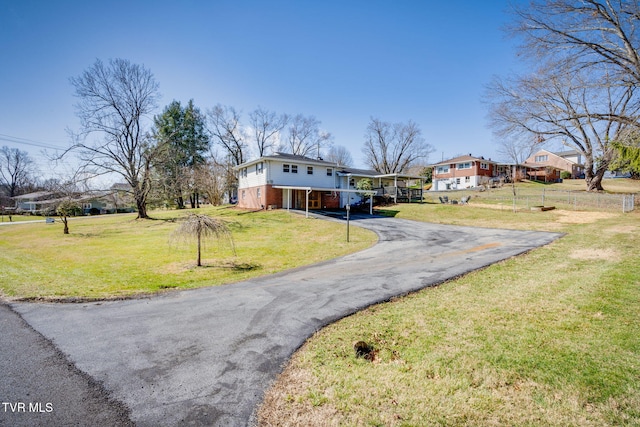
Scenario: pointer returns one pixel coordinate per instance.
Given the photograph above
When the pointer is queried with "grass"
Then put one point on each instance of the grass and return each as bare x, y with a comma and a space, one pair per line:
20, 218
116, 256
549, 338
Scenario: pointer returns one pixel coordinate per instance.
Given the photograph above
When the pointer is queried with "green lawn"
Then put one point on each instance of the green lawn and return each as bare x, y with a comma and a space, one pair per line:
549, 338
20, 218
116, 255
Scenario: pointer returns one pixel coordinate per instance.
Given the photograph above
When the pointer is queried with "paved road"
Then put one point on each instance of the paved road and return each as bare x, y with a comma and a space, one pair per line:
39, 386
206, 356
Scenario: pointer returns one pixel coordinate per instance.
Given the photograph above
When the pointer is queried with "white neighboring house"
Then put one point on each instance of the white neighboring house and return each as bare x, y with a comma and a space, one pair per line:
289, 181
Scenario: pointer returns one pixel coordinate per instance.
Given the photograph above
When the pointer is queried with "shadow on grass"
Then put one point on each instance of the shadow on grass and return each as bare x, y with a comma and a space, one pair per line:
389, 213
240, 267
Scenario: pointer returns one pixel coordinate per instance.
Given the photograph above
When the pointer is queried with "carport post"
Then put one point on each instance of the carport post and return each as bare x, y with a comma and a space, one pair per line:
371, 204
348, 207
307, 202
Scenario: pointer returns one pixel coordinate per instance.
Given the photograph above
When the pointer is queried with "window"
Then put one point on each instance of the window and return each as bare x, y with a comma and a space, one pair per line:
329, 172
294, 168
542, 158
244, 172
309, 170
466, 165
285, 168
484, 166
258, 193
259, 168
457, 180
442, 169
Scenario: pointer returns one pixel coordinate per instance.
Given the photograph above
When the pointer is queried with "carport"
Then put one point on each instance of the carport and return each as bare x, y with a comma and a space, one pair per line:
308, 191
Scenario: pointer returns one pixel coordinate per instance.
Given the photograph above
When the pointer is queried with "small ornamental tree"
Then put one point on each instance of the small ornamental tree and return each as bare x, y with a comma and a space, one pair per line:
65, 209
365, 184
200, 228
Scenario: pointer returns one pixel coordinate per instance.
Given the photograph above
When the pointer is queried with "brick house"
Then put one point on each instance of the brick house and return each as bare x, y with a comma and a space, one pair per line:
290, 181
462, 172
547, 166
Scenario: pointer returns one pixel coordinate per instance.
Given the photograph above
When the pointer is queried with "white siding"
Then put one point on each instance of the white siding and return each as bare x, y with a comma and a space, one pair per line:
253, 179
319, 178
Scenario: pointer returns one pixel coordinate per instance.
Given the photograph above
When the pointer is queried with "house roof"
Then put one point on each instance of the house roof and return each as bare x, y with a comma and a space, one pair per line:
286, 157
375, 174
568, 153
558, 155
465, 158
354, 171
34, 196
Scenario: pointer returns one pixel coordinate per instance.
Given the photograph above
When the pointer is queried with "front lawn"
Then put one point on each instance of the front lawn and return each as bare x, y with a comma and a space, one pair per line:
116, 255
549, 338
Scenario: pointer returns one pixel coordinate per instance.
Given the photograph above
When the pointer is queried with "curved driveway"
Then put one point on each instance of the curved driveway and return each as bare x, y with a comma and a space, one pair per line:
206, 356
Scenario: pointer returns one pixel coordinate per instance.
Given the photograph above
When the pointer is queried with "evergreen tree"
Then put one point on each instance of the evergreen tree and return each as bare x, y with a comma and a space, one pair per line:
183, 143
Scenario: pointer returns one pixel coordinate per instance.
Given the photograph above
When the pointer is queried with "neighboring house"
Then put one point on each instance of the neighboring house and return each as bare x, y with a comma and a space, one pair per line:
96, 203
547, 166
289, 181
463, 172
34, 202
45, 202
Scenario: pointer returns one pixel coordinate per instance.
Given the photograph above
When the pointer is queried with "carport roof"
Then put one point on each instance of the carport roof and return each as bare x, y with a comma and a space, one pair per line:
343, 190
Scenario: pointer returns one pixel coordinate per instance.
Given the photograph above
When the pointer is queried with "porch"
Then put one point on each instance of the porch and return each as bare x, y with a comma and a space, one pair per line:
305, 198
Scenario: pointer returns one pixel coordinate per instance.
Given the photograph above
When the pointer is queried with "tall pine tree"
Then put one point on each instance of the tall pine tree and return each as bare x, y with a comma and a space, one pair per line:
183, 143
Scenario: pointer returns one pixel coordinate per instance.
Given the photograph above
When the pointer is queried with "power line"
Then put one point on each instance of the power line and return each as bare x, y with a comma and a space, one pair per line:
31, 142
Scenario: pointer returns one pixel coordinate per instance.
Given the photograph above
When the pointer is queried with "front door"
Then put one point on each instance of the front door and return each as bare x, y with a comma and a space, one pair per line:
314, 200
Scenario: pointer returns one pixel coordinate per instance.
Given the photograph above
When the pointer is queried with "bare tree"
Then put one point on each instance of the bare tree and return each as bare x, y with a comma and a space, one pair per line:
225, 127
201, 227
339, 155
392, 148
114, 100
267, 126
212, 179
571, 107
584, 34
305, 137
16, 170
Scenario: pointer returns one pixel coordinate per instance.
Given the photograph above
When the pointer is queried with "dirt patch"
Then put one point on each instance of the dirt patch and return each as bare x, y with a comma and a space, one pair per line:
595, 254
283, 405
623, 229
581, 217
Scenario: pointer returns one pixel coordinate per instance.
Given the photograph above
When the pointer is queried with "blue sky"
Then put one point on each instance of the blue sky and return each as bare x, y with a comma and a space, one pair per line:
340, 61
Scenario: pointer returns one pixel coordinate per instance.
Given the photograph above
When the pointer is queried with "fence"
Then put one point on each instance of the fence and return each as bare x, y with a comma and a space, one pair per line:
527, 198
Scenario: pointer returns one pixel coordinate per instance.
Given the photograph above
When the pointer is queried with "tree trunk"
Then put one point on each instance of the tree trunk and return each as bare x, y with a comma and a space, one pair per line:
65, 221
594, 182
140, 196
180, 202
142, 208
594, 179
199, 257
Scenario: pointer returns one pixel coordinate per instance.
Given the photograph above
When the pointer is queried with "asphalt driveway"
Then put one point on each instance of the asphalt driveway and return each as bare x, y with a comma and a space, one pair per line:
206, 356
